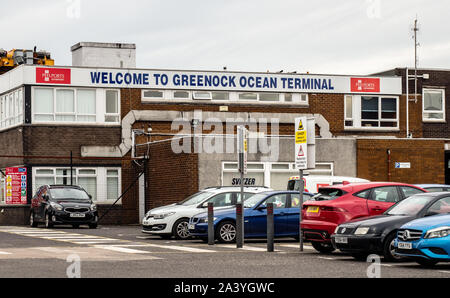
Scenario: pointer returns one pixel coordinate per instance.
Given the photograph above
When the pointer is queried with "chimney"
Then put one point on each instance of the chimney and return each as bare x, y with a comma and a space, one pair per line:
98, 54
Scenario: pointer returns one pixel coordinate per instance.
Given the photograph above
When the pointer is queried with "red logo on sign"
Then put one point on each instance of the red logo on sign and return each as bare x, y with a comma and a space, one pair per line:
365, 84
53, 76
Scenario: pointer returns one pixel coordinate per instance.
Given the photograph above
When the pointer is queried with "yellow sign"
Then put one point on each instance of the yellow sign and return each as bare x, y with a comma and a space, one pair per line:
300, 137
300, 126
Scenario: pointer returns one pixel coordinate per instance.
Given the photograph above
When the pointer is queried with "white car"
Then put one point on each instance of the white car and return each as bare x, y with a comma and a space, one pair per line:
172, 220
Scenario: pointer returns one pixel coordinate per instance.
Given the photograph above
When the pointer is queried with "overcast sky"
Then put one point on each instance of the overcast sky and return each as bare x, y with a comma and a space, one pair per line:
322, 36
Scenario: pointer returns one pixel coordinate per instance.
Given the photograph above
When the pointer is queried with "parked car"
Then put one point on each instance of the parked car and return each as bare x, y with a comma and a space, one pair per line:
377, 234
314, 182
337, 204
286, 217
434, 187
172, 220
425, 240
62, 204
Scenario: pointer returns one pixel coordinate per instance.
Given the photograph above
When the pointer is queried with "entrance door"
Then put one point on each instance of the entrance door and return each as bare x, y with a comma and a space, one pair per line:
447, 167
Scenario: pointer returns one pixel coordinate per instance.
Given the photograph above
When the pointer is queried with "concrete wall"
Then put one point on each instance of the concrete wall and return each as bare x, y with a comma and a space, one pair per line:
342, 152
93, 54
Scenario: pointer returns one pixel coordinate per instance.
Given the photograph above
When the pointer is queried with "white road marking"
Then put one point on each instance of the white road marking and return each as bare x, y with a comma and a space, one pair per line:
122, 249
181, 248
443, 271
5, 253
296, 246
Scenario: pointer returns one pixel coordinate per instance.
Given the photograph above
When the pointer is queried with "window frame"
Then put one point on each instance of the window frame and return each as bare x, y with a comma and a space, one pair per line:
443, 120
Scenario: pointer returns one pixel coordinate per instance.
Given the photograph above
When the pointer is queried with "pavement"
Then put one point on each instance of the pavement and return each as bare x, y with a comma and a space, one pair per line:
123, 251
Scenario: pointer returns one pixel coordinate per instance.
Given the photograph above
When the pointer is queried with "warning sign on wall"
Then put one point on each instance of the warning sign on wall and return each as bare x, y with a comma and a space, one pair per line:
16, 186
301, 146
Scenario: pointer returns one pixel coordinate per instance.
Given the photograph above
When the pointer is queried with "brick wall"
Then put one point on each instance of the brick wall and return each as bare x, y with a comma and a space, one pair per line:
426, 158
11, 143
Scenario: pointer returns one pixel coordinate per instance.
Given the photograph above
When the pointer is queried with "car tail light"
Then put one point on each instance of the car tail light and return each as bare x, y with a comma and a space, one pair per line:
332, 209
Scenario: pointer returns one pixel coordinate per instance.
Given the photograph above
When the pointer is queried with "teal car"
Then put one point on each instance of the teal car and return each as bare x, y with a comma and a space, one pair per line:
425, 240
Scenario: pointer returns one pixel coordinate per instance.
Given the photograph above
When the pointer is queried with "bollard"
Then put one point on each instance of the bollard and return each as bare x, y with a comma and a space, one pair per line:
211, 223
239, 226
270, 227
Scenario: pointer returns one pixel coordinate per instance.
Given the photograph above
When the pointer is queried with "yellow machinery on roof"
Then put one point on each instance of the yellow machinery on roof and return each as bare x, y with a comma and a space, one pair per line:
15, 57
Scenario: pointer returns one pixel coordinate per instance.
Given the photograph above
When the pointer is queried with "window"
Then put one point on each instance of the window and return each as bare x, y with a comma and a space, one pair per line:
70, 105
440, 207
112, 106
279, 201
433, 105
205, 95
288, 97
87, 106
220, 95
269, 97
386, 194
11, 109
152, 94
223, 199
248, 96
373, 112
103, 184
409, 191
181, 95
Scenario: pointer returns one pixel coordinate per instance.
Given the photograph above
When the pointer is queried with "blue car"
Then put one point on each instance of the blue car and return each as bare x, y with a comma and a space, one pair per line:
434, 187
286, 217
426, 240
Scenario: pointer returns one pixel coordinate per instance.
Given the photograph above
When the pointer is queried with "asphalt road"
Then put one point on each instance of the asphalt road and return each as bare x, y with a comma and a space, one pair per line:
123, 251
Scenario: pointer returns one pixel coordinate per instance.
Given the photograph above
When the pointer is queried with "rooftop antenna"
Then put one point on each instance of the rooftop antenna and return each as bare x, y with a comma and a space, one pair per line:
416, 45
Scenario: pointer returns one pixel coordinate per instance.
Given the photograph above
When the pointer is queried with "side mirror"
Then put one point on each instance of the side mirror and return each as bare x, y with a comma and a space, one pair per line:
262, 207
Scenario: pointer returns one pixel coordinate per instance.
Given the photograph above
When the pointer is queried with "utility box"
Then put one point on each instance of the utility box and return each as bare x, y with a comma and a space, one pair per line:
97, 54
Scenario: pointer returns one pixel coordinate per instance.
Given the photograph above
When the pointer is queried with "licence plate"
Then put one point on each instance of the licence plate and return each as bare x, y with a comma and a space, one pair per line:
77, 215
405, 245
191, 227
312, 209
343, 240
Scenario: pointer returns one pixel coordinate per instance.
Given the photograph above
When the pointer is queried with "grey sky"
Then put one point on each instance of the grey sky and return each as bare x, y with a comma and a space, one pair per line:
323, 36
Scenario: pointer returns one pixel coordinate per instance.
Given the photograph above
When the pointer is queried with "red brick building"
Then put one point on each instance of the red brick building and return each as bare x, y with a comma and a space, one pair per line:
97, 109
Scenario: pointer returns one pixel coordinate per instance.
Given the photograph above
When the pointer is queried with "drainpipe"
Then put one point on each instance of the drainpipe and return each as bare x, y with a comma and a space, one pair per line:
389, 164
407, 103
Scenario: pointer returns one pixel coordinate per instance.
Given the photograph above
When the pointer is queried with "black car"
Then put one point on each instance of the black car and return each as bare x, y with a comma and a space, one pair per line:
62, 204
377, 234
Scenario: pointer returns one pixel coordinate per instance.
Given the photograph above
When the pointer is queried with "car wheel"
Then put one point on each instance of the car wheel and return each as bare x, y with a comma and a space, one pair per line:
426, 262
33, 223
322, 247
180, 229
226, 232
93, 226
389, 249
48, 222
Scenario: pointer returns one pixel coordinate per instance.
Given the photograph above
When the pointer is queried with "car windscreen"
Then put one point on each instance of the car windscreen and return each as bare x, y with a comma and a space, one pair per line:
410, 206
68, 193
196, 198
253, 200
327, 194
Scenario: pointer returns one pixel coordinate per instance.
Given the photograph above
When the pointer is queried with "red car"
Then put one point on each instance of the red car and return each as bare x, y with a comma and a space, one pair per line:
337, 204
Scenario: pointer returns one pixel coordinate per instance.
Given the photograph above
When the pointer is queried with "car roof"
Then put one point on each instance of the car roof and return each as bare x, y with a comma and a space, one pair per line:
221, 189
361, 185
274, 192
432, 185
64, 186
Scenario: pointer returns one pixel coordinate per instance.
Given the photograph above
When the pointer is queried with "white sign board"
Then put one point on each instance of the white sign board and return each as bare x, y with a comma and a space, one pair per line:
403, 165
301, 143
242, 148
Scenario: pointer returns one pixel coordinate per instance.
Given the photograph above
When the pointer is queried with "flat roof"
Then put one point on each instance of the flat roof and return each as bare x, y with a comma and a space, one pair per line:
107, 45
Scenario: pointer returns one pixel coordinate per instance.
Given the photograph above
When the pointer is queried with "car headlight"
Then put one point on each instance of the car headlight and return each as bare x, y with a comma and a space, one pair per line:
56, 206
362, 231
438, 233
163, 215
336, 230
205, 220
93, 207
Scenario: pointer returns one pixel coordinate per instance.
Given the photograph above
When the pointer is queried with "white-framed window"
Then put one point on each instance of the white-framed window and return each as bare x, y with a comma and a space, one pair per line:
433, 105
181, 94
102, 183
220, 95
75, 105
204, 95
112, 103
371, 112
271, 174
11, 109
152, 94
